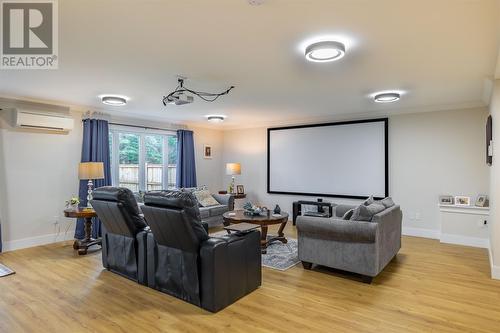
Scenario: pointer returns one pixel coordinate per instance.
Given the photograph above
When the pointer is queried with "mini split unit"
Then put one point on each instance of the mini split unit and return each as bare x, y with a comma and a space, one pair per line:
43, 121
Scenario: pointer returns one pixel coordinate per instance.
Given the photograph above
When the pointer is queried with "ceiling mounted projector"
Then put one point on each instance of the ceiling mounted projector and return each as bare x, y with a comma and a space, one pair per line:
179, 98
182, 95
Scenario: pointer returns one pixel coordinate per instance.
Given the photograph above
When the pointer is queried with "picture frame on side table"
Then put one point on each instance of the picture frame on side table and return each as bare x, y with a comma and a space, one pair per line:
207, 151
482, 201
446, 200
462, 201
240, 189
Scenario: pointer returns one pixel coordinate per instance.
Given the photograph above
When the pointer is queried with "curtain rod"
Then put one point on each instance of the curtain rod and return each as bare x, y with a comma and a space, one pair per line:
144, 127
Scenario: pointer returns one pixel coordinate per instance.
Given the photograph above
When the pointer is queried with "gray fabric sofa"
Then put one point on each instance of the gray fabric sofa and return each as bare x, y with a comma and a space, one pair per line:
213, 215
355, 246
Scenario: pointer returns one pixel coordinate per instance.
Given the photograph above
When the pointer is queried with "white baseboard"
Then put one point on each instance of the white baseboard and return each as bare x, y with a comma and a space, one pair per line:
36, 241
495, 270
419, 232
464, 240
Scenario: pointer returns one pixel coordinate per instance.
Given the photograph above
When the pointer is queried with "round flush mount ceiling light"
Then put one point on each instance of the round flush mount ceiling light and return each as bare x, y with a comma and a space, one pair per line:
325, 51
216, 118
386, 97
114, 100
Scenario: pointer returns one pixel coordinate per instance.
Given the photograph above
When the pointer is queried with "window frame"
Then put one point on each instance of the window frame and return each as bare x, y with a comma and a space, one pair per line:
116, 130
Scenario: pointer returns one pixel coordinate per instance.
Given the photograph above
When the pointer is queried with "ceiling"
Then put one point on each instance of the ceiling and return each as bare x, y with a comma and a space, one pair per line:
438, 51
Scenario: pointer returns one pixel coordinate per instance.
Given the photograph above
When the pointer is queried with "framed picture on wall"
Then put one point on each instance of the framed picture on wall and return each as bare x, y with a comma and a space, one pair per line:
489, 142
207, 151
462, 201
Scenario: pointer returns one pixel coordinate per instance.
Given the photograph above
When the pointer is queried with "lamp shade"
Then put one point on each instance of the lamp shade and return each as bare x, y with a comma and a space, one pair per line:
233, 169
91, 170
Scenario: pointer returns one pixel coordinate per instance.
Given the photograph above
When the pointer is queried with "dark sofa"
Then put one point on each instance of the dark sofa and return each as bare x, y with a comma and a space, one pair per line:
172, 252
183, 261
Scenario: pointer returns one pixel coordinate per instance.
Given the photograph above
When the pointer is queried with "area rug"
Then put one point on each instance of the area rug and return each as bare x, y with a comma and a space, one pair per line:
4, 271
279, 256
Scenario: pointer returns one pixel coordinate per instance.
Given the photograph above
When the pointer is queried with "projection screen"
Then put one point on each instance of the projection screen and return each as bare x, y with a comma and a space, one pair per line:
344, 159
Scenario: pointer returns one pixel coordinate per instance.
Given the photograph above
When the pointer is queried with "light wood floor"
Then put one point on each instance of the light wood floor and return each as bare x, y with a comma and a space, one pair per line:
429, 287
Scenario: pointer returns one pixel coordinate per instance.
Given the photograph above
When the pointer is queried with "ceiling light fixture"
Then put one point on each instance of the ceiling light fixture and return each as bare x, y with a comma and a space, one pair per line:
181, 95
114, 100
325, 51
387, 97
216, 118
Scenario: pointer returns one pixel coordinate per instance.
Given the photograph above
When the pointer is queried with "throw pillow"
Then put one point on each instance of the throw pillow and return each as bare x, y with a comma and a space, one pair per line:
369, 201
366, 213
348, 214
205, 198
387, 202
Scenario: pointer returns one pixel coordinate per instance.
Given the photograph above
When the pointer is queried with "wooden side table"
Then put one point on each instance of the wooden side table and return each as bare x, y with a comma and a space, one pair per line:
87, 214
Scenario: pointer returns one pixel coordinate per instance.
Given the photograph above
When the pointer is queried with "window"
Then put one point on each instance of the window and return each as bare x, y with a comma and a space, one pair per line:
143, 160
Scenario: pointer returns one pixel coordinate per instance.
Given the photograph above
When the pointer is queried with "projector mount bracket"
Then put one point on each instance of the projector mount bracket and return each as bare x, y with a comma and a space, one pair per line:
181, 90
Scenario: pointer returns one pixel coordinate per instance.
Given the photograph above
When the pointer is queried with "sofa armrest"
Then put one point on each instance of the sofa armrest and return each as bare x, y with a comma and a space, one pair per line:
225, 199
336, 229
230, 268
389, 224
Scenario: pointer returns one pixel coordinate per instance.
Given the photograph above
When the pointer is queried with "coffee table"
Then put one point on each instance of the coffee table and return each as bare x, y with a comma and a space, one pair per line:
238, 216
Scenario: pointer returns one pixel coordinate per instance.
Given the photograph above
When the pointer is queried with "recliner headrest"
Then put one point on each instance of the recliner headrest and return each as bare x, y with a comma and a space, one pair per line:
174, 200
126, 198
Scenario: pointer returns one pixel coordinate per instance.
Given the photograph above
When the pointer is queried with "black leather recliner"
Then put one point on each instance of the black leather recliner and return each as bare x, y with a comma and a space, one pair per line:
124, 239
183, 261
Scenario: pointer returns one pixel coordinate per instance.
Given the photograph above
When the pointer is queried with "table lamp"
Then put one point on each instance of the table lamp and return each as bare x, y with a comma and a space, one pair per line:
233, 169
90, 171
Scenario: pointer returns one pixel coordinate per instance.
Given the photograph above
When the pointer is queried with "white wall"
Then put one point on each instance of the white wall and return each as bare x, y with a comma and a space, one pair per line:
208, 171
430, 154
495, 184
38, 173
436, 153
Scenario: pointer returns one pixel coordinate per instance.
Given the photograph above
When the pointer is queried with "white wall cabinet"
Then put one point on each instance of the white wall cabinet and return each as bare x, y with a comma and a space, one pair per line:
464, 225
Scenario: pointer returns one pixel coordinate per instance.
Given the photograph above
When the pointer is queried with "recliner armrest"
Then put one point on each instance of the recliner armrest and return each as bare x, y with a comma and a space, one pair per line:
337, 230
142, 274
230, 268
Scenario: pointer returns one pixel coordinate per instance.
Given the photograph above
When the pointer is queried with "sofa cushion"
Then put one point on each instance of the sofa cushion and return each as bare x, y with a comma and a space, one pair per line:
205, 198
218, 210
204, 212
348, 214
369, 201
387, 202
366, 213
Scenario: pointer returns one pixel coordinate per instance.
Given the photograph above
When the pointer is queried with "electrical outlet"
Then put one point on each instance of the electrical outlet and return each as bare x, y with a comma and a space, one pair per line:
418, 216
482, 224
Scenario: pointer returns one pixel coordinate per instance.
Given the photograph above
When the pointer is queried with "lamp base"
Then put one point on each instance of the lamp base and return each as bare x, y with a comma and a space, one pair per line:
90, 186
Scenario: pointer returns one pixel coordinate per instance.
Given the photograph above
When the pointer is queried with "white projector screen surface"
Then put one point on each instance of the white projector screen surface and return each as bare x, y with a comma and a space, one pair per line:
341, 159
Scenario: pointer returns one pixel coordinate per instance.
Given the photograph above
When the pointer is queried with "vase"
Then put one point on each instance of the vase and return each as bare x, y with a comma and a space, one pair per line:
277, 209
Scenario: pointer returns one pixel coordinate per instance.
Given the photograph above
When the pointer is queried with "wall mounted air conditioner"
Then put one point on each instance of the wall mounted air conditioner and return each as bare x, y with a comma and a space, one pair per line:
43, 121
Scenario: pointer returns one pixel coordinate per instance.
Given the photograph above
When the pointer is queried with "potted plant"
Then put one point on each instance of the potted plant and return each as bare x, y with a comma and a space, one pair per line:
72, 203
